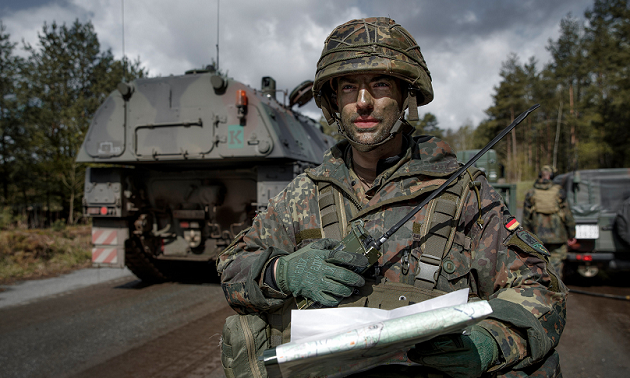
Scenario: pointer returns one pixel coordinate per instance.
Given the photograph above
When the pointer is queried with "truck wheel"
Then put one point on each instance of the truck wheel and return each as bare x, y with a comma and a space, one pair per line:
143, 265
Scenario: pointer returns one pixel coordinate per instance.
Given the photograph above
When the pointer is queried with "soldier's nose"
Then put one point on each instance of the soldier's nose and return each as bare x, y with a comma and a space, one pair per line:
365, 99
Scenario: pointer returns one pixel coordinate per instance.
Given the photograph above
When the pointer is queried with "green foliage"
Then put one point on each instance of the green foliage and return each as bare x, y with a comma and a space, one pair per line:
28, 254
584, 92
59, 225
6, 218
54, 95
427, 125
462, 138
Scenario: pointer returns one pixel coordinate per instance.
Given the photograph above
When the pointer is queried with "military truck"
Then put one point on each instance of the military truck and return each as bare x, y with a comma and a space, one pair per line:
595, 197
495, 173
181, 165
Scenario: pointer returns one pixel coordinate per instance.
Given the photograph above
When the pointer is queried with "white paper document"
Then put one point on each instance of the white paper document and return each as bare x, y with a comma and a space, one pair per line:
318, 322
335, 342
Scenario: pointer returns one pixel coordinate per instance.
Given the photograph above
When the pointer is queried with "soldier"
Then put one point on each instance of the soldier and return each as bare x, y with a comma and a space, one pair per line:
546, 213
370, 71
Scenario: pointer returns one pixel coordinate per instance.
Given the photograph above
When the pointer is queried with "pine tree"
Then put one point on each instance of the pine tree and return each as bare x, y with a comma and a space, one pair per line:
69, 77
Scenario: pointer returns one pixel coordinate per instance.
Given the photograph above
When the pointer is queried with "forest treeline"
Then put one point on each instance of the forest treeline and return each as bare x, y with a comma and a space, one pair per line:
50, 92
584, 92
48, 96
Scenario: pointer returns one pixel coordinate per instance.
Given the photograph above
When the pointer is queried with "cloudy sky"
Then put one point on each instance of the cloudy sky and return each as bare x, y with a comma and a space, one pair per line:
463, 41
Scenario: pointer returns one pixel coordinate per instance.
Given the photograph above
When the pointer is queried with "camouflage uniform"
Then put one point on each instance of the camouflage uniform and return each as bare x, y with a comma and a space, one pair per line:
528, 302
552, 229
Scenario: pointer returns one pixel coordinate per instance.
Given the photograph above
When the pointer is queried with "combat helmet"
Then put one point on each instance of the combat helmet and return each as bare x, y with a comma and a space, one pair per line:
548, 168
375, 45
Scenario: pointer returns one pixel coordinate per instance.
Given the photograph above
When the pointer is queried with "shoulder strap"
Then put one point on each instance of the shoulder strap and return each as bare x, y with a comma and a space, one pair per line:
437, 233
332, 211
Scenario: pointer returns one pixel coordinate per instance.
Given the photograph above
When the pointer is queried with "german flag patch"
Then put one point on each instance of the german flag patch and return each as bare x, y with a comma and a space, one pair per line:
512, 224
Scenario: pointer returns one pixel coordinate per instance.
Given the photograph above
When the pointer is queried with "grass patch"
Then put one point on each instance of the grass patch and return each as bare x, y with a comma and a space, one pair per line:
31, 254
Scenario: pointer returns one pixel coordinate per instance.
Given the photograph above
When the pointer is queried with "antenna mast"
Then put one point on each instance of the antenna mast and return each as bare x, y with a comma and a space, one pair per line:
122, 3
218, 1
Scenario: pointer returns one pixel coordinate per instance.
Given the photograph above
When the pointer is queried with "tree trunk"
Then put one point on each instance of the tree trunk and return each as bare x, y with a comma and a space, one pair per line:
5, 173
574, 141
555, 145
515, 166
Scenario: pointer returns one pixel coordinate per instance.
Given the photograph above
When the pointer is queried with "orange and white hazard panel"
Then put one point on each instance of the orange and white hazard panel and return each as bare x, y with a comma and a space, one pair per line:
104, 236
105, 255
108, 245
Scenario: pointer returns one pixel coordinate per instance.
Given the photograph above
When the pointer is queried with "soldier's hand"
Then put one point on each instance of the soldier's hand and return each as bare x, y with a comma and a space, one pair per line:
319, 273
461, 356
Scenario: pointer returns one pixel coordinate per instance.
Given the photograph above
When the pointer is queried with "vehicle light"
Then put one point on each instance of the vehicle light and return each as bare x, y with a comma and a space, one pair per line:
588, 258
241, 98
184, 224
241, 104
104, 210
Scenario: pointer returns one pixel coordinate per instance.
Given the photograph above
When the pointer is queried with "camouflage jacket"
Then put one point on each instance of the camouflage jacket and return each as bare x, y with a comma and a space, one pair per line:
493, 261
554, 228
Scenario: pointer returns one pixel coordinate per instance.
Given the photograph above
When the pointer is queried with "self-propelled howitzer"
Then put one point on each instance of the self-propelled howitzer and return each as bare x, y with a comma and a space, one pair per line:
184, 164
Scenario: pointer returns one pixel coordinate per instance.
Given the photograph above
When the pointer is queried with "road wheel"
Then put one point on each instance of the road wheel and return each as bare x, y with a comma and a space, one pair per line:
141, 263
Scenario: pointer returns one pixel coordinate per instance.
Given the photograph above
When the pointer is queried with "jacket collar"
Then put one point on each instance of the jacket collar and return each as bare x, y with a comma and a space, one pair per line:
425, 155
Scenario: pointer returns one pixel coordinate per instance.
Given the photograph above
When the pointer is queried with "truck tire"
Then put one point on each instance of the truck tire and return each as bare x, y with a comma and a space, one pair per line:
144, 266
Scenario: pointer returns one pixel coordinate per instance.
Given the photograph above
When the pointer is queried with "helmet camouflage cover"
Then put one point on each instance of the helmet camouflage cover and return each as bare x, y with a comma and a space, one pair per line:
375, 45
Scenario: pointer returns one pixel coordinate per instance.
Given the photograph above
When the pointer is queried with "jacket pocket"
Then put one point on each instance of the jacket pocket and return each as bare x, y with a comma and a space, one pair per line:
456, 265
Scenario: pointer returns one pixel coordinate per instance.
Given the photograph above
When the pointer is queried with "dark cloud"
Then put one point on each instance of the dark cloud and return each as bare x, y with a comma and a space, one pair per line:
464, 42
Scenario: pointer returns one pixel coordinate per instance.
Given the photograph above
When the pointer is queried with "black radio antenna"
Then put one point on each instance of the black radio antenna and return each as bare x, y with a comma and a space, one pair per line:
218, 1
379, 242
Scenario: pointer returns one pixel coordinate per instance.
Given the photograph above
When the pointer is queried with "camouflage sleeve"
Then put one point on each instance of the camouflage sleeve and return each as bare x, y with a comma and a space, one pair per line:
509, 266
569, 221
243, 263
527, 211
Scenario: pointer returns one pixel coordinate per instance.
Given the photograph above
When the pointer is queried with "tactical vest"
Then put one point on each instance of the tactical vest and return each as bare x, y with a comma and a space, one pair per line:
246, 336
546, 201
435, 237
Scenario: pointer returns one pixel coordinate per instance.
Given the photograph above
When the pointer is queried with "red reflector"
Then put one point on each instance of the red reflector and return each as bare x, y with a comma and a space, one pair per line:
184, 224
103, 210
578, 257
588, 258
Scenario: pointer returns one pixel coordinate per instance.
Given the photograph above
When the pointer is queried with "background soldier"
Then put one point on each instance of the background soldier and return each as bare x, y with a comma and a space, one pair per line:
546, 213
370, 71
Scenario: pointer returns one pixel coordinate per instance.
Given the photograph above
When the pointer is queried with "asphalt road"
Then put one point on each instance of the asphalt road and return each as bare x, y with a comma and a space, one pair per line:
123, 328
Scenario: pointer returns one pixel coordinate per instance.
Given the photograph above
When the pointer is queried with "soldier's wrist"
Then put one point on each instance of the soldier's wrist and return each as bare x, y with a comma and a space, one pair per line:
270, 274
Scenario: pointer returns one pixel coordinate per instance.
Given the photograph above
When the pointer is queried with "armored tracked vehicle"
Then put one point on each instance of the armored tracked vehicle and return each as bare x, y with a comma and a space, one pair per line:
183, 163
595, 197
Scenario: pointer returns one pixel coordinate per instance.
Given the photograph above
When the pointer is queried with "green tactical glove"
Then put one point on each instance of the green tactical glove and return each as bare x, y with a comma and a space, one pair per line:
460, 356
318, 273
